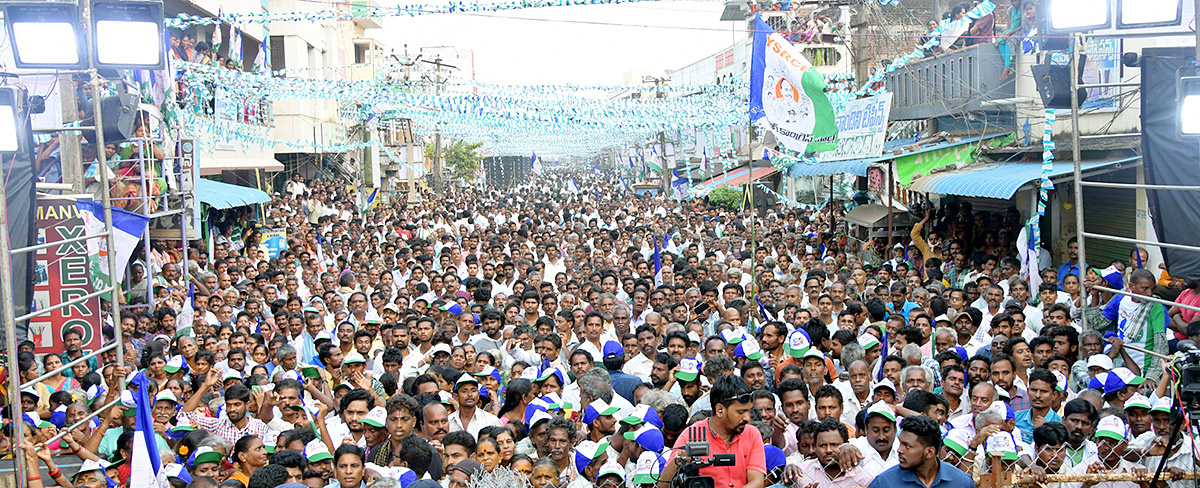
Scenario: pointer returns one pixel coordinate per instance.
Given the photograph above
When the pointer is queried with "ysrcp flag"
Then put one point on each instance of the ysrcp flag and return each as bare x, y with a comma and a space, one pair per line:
127, 233
789, 93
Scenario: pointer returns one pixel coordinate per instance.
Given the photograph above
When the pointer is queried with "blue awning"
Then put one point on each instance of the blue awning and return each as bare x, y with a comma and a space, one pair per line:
1001, 180
223, 195
859, 166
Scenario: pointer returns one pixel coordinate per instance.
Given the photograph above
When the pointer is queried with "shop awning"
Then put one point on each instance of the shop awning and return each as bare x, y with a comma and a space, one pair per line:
214, 165
738, 177
1001, 180
223, 195
849, 166
876, 215
891, 150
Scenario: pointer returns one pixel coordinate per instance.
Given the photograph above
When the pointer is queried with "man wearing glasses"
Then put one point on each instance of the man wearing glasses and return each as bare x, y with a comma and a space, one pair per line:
727, 430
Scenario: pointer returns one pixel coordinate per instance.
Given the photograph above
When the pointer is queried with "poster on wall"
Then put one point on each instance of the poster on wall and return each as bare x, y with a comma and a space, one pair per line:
275, 241
1103, 65
62, 274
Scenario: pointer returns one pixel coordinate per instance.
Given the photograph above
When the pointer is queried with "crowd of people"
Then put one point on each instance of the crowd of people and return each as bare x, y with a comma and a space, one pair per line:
561, 338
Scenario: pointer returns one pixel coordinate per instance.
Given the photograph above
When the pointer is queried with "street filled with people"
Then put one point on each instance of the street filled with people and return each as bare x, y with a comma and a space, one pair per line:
571, 333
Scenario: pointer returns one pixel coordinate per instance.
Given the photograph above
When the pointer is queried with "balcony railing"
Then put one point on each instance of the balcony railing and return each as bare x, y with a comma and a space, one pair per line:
954, 82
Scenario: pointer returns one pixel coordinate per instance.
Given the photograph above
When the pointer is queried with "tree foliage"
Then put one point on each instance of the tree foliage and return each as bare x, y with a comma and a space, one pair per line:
460, 157
726, 196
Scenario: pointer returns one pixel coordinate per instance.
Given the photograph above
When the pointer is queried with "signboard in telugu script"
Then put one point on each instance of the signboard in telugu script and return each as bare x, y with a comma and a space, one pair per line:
862, 126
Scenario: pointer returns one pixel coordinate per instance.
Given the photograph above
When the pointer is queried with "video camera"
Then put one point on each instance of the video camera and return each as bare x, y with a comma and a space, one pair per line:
1189, 378
688, 475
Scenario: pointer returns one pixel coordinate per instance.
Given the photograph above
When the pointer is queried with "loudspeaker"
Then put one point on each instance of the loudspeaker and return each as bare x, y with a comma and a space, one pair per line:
1054, 83
119, 113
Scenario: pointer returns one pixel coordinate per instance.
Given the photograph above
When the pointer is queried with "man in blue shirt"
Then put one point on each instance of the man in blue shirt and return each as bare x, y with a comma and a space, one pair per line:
1072, 264
1043, 390
920, 465
614, 359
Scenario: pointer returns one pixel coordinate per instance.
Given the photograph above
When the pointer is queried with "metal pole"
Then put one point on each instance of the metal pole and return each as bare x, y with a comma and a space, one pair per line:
666, 183
8, 311
1078, 176
750, 191
890, 186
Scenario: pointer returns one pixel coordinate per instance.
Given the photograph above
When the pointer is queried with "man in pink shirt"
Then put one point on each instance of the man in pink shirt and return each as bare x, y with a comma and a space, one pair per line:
728, 430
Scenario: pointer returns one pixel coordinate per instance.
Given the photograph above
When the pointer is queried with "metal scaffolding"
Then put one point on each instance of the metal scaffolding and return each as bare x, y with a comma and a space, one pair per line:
1079, 182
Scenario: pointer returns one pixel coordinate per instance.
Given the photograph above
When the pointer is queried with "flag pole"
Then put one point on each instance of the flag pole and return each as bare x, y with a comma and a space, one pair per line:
750, 189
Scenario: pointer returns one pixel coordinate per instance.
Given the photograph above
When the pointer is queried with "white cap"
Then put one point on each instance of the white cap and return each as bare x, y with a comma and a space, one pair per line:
1101, 361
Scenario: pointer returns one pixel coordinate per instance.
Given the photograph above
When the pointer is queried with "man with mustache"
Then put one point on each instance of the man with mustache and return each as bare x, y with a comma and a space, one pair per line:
877, 451
1079, 417
919, 464
826, 469
727, 430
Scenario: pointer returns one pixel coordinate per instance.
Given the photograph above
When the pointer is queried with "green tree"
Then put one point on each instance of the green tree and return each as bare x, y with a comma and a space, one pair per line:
461, 157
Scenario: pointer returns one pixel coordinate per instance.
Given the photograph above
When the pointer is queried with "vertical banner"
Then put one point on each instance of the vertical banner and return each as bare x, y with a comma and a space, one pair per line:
62, 274
181, 173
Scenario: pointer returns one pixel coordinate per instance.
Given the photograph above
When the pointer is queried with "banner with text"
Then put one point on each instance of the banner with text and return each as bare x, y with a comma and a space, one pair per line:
62, 274
862, 127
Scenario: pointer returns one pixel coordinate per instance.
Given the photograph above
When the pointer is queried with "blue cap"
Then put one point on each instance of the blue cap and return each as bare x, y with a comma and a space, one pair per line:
775, 457
613, 349
648, 436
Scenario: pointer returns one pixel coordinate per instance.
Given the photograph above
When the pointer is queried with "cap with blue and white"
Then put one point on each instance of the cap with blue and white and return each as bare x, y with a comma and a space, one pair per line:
588, 451
489, 371
1060, 380
798, 343
174, 470
29, 390
598, 408
174, 364
205, 454
748, 349
643, 413
648, 436
689, 369
732, 337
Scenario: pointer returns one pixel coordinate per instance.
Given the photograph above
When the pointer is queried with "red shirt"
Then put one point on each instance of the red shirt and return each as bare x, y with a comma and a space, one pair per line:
747, 446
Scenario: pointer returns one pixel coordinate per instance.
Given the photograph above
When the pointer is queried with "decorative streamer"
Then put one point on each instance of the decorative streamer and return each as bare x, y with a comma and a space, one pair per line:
183, 21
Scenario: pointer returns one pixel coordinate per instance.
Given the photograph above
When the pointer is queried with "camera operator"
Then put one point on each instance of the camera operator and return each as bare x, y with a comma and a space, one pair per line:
726, 431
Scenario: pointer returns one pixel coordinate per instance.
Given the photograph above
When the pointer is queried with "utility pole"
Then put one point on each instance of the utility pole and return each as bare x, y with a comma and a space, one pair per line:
662, 134
438, 181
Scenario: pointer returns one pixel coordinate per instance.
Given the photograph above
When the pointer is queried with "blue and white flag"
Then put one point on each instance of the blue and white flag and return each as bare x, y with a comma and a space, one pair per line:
1027, 250
321, 265
572, 187
788, 93
128, 228
235, 47
658, 279
372, 199
535, 164
704, 160
144, 464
